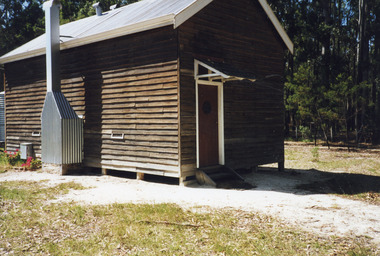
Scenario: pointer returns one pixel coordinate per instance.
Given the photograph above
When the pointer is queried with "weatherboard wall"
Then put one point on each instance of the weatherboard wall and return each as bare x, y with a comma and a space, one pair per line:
126, 89
136, 93
238, 33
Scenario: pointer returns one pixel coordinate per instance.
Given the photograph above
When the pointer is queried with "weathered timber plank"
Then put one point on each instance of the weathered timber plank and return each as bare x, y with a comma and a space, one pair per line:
151, 144
121, 122
146, 126
141, 86
161, 92
144, 154
140, 110
144, 99
142, 70
140, 159
141, 148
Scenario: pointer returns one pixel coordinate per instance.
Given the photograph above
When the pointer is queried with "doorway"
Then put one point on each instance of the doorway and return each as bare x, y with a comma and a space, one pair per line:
209, 79
210, 127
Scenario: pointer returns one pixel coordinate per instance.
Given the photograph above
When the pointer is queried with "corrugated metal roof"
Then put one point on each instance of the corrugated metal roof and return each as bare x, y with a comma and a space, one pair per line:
140, 16
132, 18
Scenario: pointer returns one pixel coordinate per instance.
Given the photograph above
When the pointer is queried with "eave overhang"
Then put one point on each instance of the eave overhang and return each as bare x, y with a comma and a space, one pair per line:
172, 19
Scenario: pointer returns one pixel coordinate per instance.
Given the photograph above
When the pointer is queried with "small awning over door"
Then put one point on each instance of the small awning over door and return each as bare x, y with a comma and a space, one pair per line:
214, 71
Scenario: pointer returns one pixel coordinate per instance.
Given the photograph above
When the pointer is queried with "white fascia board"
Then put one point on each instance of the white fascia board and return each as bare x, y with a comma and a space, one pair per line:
197, 62
190, 11
123, 31
276, 23
24, 55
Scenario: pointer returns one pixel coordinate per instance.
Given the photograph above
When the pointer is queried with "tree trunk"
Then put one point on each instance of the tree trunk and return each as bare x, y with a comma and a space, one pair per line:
326, 43
376, 83
362, 66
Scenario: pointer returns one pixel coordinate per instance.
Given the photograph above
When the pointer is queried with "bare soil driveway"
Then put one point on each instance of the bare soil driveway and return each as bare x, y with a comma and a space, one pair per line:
306, 199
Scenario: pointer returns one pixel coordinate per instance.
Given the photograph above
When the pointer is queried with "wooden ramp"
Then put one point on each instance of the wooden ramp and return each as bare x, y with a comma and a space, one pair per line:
221, 177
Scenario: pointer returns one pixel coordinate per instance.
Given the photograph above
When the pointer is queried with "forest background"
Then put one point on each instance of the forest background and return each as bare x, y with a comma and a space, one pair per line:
332, 81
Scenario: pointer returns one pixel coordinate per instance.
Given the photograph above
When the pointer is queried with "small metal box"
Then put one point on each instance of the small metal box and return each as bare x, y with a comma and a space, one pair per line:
26, 150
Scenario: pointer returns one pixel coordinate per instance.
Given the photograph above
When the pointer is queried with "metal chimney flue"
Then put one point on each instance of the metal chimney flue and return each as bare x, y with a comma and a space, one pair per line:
61, 128
53, 81
113, 7
98, 9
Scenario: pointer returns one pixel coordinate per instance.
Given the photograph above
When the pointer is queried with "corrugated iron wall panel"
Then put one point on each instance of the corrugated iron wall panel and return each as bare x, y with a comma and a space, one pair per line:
72, 140
2, 117
62, 131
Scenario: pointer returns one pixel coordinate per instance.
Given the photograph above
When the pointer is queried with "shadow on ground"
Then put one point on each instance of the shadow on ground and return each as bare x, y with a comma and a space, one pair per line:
312, 181
294, 181
92, 171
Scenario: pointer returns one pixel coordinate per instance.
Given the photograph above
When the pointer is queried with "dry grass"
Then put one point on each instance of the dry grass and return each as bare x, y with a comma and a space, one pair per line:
31, 224
363, 163
336, 159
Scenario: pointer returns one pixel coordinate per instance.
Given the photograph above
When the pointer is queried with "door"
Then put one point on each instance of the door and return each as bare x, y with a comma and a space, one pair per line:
208, 125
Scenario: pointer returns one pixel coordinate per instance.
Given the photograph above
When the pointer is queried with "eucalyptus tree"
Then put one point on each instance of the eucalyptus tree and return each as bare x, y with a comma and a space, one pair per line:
339, 42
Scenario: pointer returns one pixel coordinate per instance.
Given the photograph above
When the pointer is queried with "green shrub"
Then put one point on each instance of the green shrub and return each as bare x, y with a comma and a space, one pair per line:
315, 153
3, 157
13, 158
305, 132
35, 164
32, 164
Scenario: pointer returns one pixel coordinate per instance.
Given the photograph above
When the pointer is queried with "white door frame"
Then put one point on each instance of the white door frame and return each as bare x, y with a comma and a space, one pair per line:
220, 117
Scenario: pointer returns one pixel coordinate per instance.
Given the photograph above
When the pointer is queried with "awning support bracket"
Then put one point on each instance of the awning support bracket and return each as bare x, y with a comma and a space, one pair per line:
214, 74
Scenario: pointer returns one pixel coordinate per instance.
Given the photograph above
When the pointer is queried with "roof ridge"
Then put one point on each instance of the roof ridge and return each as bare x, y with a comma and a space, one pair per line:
136, 19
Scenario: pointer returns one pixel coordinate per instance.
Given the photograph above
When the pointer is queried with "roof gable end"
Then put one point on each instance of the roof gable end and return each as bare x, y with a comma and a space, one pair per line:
133, 18
276, 23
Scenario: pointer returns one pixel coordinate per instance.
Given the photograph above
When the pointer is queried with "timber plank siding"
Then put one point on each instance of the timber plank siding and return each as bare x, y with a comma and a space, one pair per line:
137, 93
240, 34
124, 86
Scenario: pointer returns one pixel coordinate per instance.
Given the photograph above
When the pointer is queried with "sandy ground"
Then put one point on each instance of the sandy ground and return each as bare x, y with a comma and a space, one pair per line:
275, 195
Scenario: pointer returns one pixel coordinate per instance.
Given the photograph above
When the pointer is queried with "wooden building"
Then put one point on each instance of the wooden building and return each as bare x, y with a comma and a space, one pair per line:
164, 86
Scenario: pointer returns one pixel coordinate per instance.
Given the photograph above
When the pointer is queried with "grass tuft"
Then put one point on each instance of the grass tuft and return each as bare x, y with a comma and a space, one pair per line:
315, 153
64, 188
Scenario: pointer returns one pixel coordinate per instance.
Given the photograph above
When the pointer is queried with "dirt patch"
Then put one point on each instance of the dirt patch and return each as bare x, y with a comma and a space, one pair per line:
278, 194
